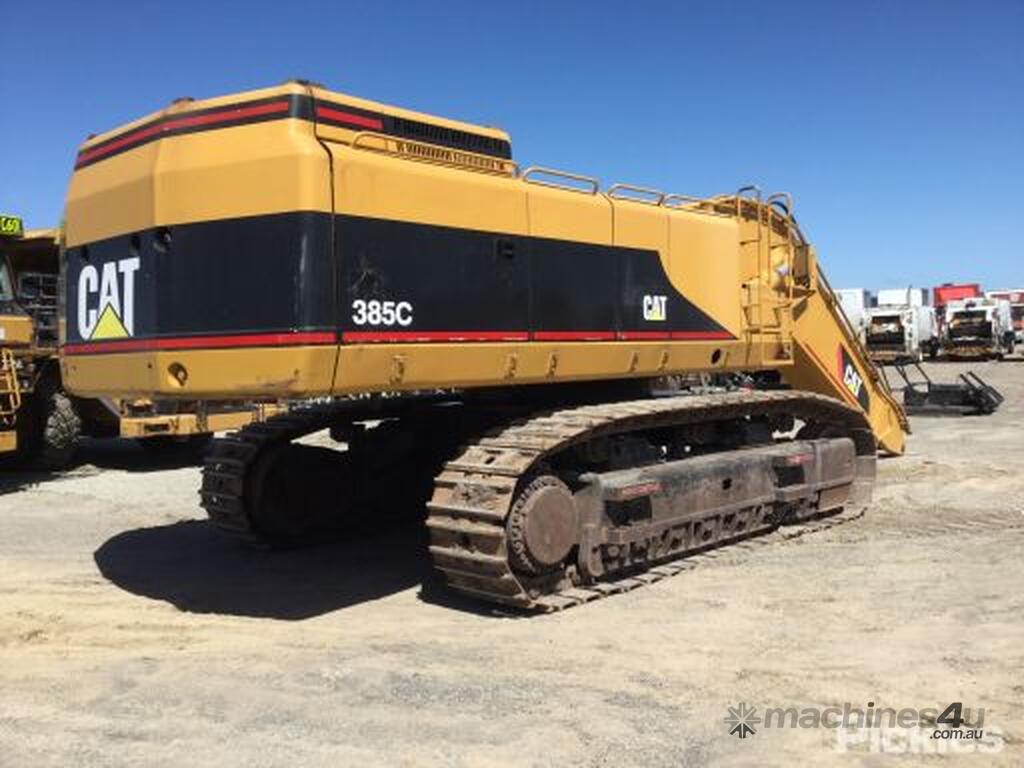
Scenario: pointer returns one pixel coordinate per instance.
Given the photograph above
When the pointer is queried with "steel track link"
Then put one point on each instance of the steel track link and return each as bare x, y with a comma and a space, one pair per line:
224, 489
474, 492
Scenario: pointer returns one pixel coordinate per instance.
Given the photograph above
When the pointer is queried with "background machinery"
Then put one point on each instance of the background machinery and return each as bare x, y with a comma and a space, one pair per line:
902, 328
978, 328
1016, 300
40, 423
855, 303
947, 292
481, 337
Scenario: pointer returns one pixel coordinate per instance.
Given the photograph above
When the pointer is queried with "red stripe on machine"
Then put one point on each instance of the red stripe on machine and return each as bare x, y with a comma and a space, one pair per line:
203, 342
363, 121
174, 123
359, 337
702, 335
356, 337
574, 335
642, 335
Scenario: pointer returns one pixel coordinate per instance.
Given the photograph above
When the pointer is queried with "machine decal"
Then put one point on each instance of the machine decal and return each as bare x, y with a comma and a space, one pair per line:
464, 282
310, 278
106, 299
297, 106
381, 312
11, 226
654, 308
852, 378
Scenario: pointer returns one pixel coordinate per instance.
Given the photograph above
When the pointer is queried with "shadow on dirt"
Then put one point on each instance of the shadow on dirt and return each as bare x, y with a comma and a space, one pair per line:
132, 456
13, 479
94, 456
198, 570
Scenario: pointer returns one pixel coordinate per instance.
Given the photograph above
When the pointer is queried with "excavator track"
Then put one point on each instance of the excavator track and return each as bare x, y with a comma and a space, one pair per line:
235, 491
225, 492
479, 515
473, 513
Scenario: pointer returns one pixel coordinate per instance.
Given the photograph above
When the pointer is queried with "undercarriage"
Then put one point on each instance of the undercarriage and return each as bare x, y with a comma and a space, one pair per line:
547, 508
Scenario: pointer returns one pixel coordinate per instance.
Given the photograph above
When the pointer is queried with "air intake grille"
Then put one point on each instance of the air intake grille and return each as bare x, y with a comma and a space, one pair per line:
447, 137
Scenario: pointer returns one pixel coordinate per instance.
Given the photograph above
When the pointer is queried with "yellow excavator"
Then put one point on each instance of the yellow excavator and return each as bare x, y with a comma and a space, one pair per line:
509, 345
40, 423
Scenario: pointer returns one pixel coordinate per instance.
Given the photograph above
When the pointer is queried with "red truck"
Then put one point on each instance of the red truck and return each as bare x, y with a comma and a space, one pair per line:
947, 292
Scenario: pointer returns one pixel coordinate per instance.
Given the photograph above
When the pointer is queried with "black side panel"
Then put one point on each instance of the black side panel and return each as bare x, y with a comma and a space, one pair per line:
454, 279
253, 275
576, 286
488, 282
274, 275
644, 276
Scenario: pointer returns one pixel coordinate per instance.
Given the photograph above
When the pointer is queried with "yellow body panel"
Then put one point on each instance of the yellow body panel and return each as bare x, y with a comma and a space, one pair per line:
8, 440
285, 372
15, 330
376, 185
185, 424
736, 259
719, 266
225, 173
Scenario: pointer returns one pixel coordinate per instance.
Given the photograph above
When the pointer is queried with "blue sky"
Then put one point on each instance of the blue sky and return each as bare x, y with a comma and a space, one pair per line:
898, 126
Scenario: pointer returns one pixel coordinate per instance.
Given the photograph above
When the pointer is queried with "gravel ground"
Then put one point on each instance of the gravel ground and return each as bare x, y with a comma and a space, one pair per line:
132, 634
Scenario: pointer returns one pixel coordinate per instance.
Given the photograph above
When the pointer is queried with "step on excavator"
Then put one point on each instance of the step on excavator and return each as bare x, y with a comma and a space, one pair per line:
487, 341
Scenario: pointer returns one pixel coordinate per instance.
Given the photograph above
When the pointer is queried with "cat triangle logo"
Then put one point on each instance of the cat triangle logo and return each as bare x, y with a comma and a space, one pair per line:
109, 325
106, 299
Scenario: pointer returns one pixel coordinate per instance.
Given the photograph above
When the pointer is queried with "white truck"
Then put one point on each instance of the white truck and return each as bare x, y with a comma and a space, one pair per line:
979, 328
855, 303
1016, 299
901, 334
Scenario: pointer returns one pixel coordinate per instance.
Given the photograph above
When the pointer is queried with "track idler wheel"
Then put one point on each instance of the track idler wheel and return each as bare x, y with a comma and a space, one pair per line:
543, 526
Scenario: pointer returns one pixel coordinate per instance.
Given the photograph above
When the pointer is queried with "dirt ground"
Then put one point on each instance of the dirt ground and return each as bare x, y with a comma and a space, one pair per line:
132, 634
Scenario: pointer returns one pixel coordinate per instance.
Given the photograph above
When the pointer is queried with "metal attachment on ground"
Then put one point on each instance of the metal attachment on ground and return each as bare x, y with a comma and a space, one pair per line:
968, 396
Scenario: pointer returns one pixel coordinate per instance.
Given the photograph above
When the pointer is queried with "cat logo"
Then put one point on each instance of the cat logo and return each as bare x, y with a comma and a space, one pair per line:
852, 379
654, 308
106, 300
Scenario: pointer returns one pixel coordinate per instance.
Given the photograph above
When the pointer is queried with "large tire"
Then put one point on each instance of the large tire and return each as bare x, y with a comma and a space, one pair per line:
51, 429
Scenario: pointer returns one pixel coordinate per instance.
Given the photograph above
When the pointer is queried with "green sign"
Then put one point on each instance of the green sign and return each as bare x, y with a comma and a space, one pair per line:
11, 226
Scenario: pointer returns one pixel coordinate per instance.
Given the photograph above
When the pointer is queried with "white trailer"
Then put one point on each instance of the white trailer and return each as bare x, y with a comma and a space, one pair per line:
903, 297
855, 303
901, 333
980, 328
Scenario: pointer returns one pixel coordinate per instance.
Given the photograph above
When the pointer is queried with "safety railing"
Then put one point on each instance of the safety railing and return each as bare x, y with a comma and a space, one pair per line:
571, 182
636, 194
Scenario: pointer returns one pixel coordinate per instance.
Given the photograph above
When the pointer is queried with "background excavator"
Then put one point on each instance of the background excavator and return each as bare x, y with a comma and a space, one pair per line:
492, 341
40, 423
